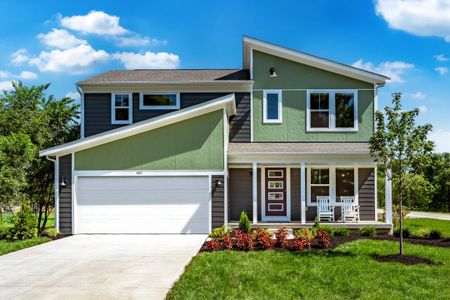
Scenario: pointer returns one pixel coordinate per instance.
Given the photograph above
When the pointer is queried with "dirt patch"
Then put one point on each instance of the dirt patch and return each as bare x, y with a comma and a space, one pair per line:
404, 259
419, 241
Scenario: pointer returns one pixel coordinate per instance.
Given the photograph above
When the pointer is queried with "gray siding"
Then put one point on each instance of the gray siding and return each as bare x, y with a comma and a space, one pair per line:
366, 195
97, 112
240, 194
295, 195
217, 202
65, 194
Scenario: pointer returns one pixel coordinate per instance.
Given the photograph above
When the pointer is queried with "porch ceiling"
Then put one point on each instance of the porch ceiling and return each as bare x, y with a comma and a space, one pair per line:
299, 148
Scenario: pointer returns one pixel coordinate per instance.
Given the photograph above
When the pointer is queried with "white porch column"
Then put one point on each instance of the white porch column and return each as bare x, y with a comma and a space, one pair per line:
255, 192
388, 198
303, 192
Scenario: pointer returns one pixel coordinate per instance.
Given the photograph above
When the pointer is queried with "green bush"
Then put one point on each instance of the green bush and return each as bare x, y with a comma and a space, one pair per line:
368, 231
24, 224
327, 228
219, 232
435, 234
244, 222
304, 233
406, 232
3, 231
50, 232
341, 231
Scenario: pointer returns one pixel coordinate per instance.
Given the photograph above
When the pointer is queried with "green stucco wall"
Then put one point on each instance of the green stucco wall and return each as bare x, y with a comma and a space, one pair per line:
292, 75
193, 144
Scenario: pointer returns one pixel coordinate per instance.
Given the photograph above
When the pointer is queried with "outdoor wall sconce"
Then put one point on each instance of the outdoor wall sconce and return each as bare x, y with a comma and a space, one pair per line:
272, 72
63, 182
219, 182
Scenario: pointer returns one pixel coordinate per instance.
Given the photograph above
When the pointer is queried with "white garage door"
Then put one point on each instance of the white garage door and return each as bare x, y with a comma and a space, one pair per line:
142, 205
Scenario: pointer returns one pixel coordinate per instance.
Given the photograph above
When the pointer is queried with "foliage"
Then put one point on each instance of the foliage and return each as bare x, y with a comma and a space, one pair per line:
212, 245
419, 227
11, 246
327, 228
396, 214
282, 237
227, 242
435, 234
341, 231
438, 174
244, 222
368, 231
219, 232
50, 232
3, 231
244, 240
406, 232
24, 224
264, 239
302, 232
400, 145
303, 239
324, 238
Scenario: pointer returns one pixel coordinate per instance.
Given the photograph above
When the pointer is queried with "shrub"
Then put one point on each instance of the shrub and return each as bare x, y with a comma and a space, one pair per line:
50, 232
324, 238
227, 242
244, 240
304, 232
435, 234
219, 232
244, 222
3, 232
317, 226
264, 238
342, 231
368, 231
212, 245
301, 243
406, 232
281, 235
24, 224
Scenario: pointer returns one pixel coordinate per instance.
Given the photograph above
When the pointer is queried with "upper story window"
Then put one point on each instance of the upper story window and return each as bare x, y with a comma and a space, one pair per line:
332, 110
157, 100
121, 108
272, 106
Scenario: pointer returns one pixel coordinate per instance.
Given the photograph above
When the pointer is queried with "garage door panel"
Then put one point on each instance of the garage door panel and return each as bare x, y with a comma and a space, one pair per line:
143, 205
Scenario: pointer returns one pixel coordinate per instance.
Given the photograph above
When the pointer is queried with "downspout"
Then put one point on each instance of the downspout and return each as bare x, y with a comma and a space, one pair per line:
80, 91
56, 204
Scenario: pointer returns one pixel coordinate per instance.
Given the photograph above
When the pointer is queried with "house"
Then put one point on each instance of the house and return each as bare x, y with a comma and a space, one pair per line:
285, 139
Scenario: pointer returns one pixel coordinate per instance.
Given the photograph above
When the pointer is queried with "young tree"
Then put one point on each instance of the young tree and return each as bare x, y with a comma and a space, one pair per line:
400, 145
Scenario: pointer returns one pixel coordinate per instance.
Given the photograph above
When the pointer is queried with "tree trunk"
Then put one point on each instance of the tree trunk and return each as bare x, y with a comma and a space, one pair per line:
39, 218
401, 212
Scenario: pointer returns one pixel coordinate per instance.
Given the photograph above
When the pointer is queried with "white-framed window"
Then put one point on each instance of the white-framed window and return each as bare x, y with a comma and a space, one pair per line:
121, 108
272, 106
275, 174
345, 182
332, 110
159, 100
319, 183
275, 207
276, 185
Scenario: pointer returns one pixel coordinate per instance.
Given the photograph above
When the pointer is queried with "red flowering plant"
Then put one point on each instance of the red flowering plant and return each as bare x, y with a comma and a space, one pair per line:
212, 245
324, 238
244, 240
303, 240
227, 242
282, 237
264, 238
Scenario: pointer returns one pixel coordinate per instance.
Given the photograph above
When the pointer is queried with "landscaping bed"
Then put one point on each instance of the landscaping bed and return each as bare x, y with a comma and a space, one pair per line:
404, 259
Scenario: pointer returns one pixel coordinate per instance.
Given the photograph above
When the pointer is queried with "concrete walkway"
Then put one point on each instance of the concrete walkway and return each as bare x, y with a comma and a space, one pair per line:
98, 267
428, 215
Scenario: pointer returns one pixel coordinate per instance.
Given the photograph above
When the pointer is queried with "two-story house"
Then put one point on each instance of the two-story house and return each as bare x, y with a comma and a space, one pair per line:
285, 139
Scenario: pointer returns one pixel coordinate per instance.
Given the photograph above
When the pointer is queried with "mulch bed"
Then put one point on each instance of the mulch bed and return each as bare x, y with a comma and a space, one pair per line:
404, 259
419, 241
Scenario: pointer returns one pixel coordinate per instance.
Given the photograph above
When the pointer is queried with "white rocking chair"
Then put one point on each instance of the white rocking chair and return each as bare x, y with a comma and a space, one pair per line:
349, 210
325, 211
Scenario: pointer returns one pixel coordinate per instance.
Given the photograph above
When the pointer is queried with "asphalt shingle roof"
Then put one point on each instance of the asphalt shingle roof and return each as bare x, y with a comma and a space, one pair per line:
299, 148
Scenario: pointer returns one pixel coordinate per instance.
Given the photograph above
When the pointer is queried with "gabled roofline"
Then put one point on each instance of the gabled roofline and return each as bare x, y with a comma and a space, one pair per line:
226, 102
213, 82
250, 43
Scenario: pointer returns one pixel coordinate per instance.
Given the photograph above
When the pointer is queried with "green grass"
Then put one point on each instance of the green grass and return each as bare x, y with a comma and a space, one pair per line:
348, 272
419, 226
7, 247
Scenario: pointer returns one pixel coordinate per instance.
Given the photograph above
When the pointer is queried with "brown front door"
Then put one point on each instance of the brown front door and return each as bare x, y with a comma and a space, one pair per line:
275, 187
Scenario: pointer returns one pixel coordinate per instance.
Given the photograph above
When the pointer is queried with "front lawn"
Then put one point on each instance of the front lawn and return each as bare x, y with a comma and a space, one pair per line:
348, 272
7, 247
418, 226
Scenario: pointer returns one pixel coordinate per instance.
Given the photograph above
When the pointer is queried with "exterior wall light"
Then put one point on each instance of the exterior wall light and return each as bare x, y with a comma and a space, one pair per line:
63, 182
219, 182
272, 72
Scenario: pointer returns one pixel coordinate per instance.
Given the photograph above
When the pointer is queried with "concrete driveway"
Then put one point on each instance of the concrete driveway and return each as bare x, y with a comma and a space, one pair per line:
98, 267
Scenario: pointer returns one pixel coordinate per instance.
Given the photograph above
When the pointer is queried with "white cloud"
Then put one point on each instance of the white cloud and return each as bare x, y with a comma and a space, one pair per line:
148, 60
442, 140
95, 22
60, 39
4, 74
418, 17
76, 60
73, 95
418, 95
27, 75
392, 69
423, 109
6, 85
441, 57
19, 57
441, 70
138, 41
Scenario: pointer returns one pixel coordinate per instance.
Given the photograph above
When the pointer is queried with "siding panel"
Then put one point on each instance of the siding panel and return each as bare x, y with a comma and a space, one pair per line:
295, 195
65, 195
217, 201
366, 194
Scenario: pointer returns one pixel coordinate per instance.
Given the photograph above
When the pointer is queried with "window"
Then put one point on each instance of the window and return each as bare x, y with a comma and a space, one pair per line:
332, 111
345, 183
121, 108
275, 174
272, 106
156, 100
320, 183
276, 185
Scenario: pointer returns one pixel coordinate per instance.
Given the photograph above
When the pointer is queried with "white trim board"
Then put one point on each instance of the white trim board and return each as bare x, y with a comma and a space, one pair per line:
226, 102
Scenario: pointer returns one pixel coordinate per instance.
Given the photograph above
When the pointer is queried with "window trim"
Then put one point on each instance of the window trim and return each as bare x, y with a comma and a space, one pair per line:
158, 107
310, 185
331, 111
279, 120
113, 108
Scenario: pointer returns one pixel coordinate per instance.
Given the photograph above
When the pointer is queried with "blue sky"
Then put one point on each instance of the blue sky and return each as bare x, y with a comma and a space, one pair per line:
62, 42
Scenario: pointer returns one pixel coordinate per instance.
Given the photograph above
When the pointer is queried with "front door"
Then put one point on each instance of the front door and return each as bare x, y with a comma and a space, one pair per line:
275, 187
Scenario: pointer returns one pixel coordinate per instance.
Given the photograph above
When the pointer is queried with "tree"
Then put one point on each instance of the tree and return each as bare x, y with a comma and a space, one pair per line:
438, 173
399, 145
418, 192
